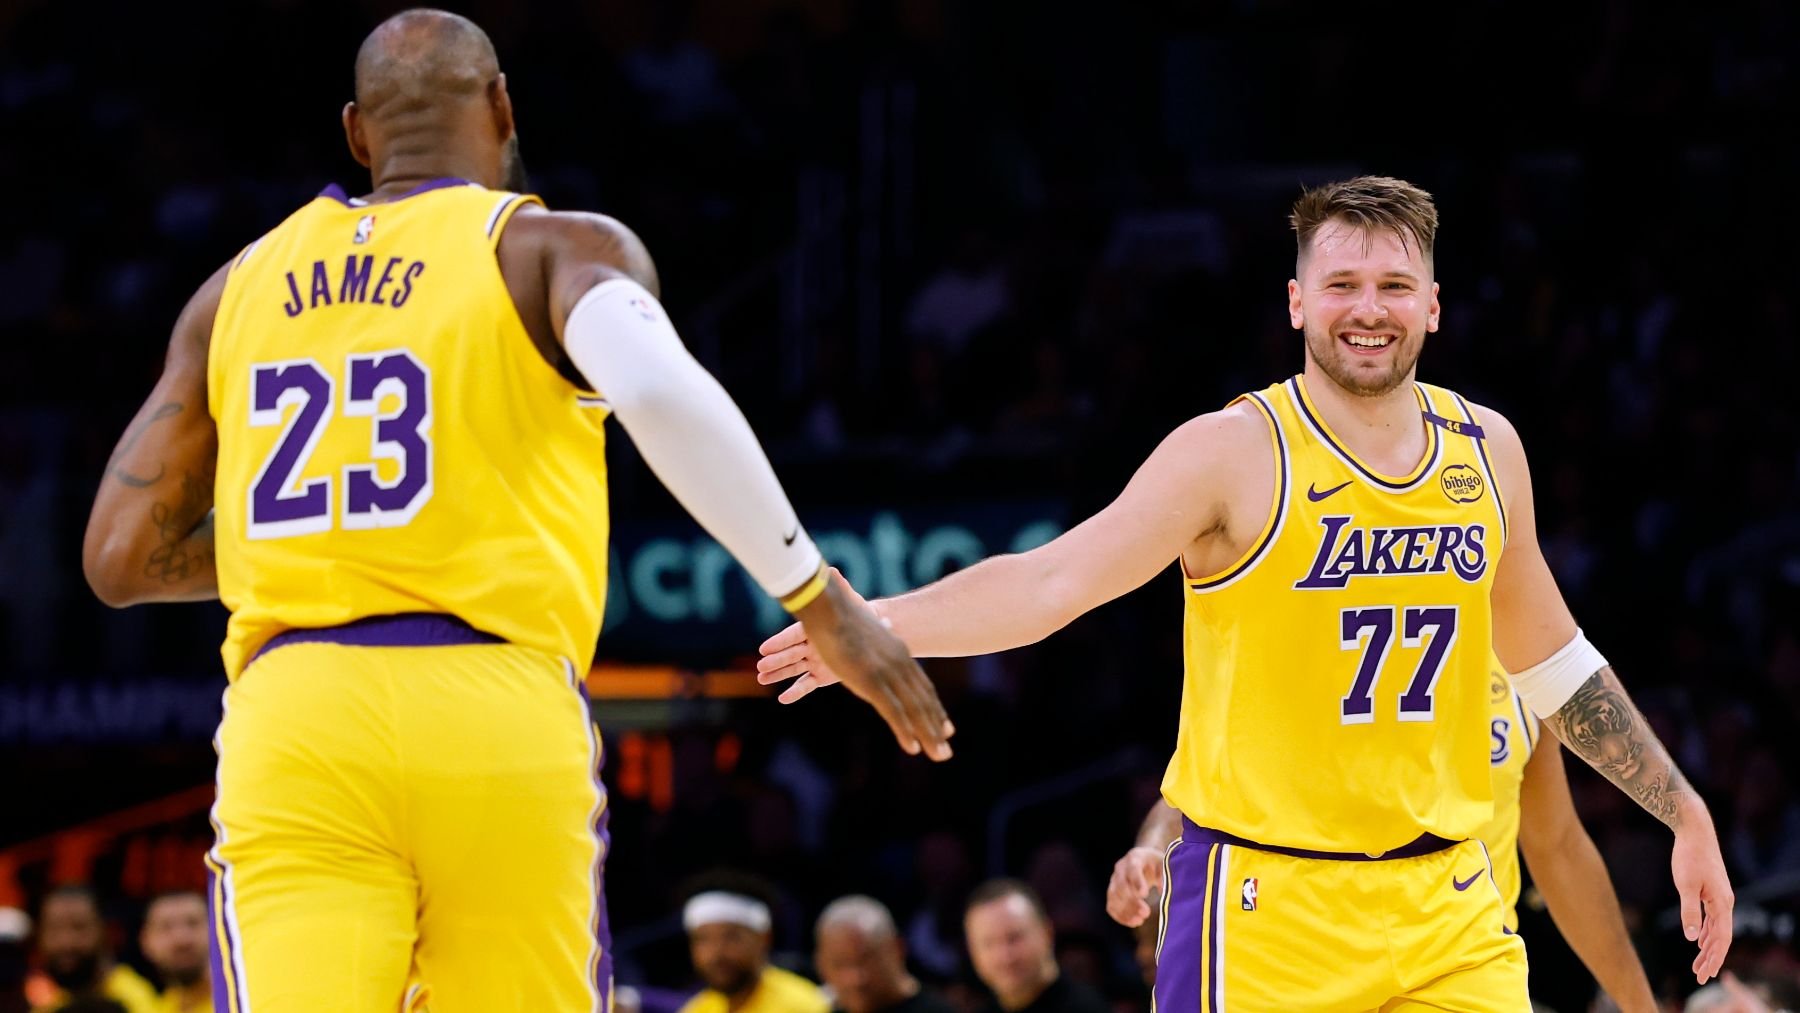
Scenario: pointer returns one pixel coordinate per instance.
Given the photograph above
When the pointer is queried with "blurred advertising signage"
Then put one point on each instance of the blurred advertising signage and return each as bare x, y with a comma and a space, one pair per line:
673, 589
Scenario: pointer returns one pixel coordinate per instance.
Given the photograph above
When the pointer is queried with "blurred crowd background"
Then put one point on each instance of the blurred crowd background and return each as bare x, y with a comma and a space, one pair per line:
963, 264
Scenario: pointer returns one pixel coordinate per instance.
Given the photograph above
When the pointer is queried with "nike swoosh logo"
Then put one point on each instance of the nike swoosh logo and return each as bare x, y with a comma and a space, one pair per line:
1313, 493
788, 539
1463, 884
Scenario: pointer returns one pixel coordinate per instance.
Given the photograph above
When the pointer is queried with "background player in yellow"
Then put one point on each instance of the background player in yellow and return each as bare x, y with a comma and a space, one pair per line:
729, 939
378, 440
174, 940
1532, 812
75, 955
1351, 542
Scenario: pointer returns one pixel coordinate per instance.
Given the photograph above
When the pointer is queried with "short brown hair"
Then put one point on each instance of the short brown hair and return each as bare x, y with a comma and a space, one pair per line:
999, 889
1368, 203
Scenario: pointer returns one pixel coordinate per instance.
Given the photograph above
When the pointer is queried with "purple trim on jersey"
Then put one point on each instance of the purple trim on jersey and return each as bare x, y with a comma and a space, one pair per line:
1486, 465
1186, 948
1326, 436
337, 193
500, 213
1469, 429
1281, 504
1424, 844
408, 629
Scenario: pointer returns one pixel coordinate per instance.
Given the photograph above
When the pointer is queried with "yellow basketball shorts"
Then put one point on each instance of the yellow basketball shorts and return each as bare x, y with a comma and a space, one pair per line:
1249, 929
410, 818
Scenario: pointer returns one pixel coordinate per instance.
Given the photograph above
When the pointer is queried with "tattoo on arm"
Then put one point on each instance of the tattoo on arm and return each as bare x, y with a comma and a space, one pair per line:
1600, 724
177, 555
132, 436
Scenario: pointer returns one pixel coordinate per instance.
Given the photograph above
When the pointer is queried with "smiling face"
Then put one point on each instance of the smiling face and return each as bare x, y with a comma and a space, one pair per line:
1365, 299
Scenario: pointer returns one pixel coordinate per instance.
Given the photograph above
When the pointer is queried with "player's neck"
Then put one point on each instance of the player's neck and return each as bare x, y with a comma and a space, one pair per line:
1374, 427
402, 174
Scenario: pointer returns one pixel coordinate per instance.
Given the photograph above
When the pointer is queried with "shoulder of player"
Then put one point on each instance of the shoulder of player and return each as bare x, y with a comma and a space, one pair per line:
1502, 440
583, 238
193, 328
1235, 434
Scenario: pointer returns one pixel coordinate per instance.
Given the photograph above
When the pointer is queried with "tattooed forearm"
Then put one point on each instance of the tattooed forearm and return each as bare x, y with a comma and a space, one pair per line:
1601, 726
184, 546
130, 441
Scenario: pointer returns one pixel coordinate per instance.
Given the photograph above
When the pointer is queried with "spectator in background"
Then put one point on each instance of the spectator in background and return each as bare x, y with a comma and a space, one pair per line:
174, 941
15, 930
73, 951
1729, 995
863, 962
1011, 946
93, 1004
729, 938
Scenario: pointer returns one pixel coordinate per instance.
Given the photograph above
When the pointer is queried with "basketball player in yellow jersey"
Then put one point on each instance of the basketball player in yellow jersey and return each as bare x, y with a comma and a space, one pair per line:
377, 439
1532, 812
1352, 543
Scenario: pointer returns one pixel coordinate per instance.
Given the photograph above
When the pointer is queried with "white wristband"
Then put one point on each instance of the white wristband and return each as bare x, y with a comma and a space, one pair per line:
1549, 684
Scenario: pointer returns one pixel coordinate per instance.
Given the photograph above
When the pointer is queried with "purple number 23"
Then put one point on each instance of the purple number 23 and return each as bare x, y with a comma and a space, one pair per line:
280, 505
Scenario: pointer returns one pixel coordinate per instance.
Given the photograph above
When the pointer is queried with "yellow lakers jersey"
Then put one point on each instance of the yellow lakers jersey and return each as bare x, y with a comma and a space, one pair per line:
1334, 697
390, 440
1512, 737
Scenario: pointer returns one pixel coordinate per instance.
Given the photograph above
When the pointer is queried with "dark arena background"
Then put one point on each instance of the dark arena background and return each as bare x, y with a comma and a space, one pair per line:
963, 265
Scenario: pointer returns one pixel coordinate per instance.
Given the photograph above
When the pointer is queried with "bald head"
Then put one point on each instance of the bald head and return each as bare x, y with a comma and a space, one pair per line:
420, 59
864, 915
431, 101
860, 956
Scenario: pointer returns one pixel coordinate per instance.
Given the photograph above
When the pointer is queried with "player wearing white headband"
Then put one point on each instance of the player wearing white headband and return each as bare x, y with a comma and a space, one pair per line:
729, 938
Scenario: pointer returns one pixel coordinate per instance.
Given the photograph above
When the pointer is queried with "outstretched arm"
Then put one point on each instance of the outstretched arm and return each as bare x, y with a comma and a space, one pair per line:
1570, 686
150, 534
1176, 498
699, 445
1569, 873
1013, 600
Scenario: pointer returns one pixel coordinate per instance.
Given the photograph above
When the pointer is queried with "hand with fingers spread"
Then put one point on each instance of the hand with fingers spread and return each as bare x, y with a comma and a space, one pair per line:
841, 638
1136, 878
790, 654
1706, 897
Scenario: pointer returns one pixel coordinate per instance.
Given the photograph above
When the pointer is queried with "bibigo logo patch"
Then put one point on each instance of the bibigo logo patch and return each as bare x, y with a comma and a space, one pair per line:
1462, 483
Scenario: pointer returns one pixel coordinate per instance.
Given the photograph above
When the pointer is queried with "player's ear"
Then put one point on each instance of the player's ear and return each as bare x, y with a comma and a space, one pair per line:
1431, 321
1296, 316
354, 136
500, 102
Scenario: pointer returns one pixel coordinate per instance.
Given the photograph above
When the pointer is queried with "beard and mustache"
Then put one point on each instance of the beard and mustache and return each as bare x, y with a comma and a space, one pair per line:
512, 167
1338, 364
74, 972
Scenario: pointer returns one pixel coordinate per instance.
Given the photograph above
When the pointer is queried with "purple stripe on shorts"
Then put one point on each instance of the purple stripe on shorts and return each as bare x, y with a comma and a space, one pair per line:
1424, 844
1186, 948
408, 629
603, 971
1216, 891
220, 949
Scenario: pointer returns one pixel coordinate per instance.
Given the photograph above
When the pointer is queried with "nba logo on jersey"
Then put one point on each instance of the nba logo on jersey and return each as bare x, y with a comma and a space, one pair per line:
1249, 895
365, 227
644, 308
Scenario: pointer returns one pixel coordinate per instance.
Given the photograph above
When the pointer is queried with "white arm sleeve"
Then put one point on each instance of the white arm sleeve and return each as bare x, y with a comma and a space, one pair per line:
689, 430
1549, 684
